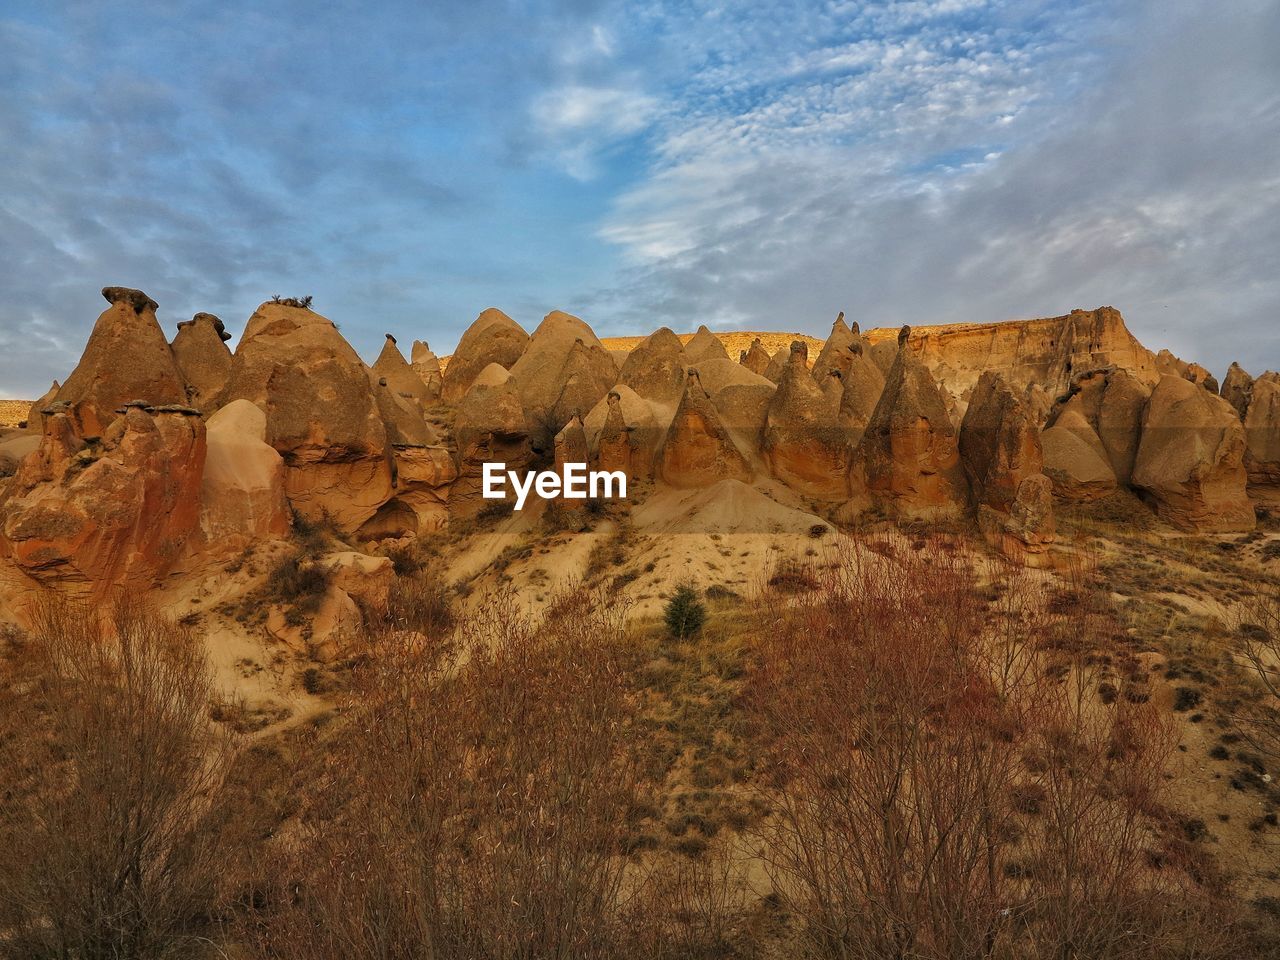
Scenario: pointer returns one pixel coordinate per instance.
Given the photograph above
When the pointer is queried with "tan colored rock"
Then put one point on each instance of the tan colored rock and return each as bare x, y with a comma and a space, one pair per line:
1236, 389
200, 350
14, 449
756, 358
35, 417
366, 580
1026, 533
490, 427
655, 368
698, 449
492, 338
862, 385
1262, 430
88, 518
624, 434
564, 370
777, 365
1191, 459
835, 353
910, 451
401, 378
705, 345
427, 366
127, 358
1119, 420
1075, 459
242, 494
571, 447
883, 354
324, 412
804, 446
999, 443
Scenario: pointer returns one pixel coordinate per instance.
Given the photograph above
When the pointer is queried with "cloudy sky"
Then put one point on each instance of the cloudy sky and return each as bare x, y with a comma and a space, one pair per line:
752, 165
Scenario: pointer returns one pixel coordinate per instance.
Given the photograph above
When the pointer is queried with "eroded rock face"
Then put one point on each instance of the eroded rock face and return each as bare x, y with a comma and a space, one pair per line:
35, 416
863, 383
492, 338
1262, 430
756, 358
705, 345
1025, 533
999, 443
200, 350
85, 518
1075, 459
1236, 389
323, 413
490, 427
910, 451
571, 447
623, 434
565, 369
400, 377
427, 366
127, 358
698, 449
242, 494
655, 368
1191, 459
835, 353
803, 444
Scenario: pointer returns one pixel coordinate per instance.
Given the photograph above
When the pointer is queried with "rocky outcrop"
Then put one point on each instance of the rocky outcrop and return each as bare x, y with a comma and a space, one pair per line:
564, 370
1075, 459
655, 368
1026, 533
325, 412
999, 443
623, 433
401, 378
1262, 430
698, 449
200, 350
1191, 459
862, 385
571, 447
427, 366
490, 427
835, 354
242, 493
1111, 402
1236, 389
492, 338
910, 452
86, 517
127, 358
35, 416
704, 345
756, 358
14, 448
803, 445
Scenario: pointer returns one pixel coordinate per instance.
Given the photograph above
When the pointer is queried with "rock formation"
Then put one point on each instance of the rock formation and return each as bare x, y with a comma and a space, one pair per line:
705, 345
127, 358
35, 416
1262, 430
1191, 459
427, 366
571, 447
492, 338
490, 428
862, 385
835, 353
89, 516
1111, 402
698, 450
909, 451
756, 358
200, 350
564, 369
1236, 388
401, 378
322, 408
624, 434
242, 494
1075, 459
803, 445
1024, 534
999, 443
655, 369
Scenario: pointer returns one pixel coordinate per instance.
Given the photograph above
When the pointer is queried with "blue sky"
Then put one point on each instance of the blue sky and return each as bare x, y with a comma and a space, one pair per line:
746, 165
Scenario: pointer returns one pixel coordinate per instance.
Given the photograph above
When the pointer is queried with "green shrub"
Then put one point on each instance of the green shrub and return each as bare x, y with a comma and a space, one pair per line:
685, 614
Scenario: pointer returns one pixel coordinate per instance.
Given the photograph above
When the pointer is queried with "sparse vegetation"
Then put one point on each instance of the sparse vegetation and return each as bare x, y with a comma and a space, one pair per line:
684, 614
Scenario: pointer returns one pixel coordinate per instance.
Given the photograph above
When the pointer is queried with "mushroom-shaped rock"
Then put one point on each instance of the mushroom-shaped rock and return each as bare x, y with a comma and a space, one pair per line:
242, 494
1191, 459
655, 368
624, 434
803, 445
427, 366
324, 412
756, 358
200, 350
1236, 388
127, 357
698, 449
492, 338
563, 369
1075, 459
1262, 430
400, 377
88, 519
861, 385
704, 345
999, 442
910, 451
490, 427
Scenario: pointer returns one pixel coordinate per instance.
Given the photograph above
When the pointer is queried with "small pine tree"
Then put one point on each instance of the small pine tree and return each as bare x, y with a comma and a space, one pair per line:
685, 613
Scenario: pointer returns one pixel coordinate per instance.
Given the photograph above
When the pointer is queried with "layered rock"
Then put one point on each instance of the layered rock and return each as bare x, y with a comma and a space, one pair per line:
1262, 430
756, 358
564, 370
655, 369
704, 345
242, 493
1191, 459
492, 338
910, 452
87, 517
803, 445
127, 358
325, 412
698, 449
200, 350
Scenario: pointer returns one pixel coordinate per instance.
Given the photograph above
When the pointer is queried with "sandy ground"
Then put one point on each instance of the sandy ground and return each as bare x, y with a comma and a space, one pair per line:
13, 412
